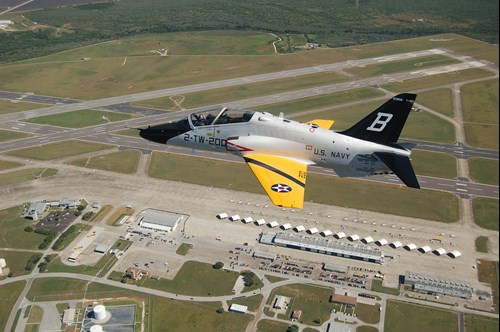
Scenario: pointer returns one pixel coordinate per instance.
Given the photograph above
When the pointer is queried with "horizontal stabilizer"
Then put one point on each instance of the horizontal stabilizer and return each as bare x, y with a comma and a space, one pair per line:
325, 124
401, 166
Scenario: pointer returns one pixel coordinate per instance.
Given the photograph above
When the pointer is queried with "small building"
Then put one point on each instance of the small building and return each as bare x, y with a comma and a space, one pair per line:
455, 254
234, 217
424, 249
354, 237
280, 302
296, 314
340, 235
222, 215
135, 273
343, 299
101, 249
367, 240
264, 255
312, 230
69, 203
35, 210
160, 220
396, 244
69, 316
299, 228
247, 220
242, 309
286, 226
381, 242
334, 268
260, 222
273, 224
326, 233
410, 246
439, 251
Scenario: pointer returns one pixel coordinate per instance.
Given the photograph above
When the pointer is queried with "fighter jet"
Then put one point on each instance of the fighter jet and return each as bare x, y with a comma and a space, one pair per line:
278, 150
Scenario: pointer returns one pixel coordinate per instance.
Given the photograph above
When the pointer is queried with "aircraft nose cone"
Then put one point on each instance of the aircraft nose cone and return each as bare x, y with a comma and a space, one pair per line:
161, 133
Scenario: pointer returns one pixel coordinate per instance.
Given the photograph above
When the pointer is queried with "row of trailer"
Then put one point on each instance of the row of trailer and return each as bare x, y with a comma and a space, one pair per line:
340, 235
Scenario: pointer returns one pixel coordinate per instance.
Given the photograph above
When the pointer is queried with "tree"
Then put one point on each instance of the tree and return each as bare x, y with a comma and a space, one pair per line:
293, 328
218, 265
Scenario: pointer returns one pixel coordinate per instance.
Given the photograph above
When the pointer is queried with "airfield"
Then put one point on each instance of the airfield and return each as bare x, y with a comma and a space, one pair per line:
217, 240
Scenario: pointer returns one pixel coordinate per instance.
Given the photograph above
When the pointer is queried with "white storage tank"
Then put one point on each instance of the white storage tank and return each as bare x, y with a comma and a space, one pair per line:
96, 328
99, 312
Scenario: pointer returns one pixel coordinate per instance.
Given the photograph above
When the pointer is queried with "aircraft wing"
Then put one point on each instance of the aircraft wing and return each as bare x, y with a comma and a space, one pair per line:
325, 124
283, 179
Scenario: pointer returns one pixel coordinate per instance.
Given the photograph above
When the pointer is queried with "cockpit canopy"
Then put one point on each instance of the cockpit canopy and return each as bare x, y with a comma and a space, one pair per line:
219, 116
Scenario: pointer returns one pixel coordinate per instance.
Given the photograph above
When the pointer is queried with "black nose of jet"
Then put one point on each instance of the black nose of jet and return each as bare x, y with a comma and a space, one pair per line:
160, 133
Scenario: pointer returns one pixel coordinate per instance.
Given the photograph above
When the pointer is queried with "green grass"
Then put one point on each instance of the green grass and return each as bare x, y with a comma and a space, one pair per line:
244, 91
368, 313
184, 316
436, 164
76, 229
125, 162
439, 100
252, 302
273, 279
482, 244
365, 328
13, 106
484, 170
384, 198
318, 103
392, 67
13, 234
16, 261
266, 325
5, 164
485, 212
487, 272
437, 80
9, 294
400, 316
183, 249
197, 279
81, 118
9, 135
25, 175
312, 300
476, 323
59, 150
257, 283
378, 287
482, 135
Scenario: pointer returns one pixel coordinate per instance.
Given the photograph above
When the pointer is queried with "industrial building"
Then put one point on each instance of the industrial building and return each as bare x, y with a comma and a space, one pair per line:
160, 220
324, 246
438, 286
242, 309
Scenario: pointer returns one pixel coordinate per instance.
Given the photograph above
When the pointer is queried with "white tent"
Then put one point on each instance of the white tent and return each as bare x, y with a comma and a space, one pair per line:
381, 242
425, 249
312, 230
410, 246
367, 239
260, 222
234, 218
455, 254
340, 235
222, 215
286, 226
439, 251
396, 244
273, 224
326, 233
299, 228
354, 237
247, 220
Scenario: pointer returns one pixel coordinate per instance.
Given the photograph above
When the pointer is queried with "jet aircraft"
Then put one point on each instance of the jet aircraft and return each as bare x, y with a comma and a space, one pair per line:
278, 150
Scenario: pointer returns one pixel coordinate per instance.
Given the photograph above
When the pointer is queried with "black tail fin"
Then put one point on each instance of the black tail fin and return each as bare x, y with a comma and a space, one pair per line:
384, 125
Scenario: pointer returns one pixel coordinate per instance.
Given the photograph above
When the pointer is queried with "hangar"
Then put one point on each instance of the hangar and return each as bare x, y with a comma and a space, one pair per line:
286, 226
326, 233
410, 246
160, 220
367, 240
436, 285
455, 254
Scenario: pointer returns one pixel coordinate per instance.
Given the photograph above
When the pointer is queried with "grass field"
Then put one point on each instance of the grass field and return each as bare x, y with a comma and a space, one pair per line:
384, 198
487, 272
273, 279
9, 294
312, 300
368, 313
252, 302
13, 106
25, 175
366, 328
476, 323
439, 100
402, 66
102, 213
9, 135
16, 261
197, 279
436, 164
13, 234
244, 91
266, 325
186, 316
480, 112
81, 118
183, 249
400, 316
482, 244
76, 230
5, 164
378, 287
125, 161
485, 212
484, 170
118, 214
59, 150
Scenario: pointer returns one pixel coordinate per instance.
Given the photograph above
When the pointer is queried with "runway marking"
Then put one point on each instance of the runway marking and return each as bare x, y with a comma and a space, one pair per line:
446, 185
124, 61
460, 189
461, 184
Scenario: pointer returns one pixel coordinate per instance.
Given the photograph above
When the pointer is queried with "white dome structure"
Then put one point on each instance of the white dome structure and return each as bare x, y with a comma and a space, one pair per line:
96, 328
2, 263
99, 312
